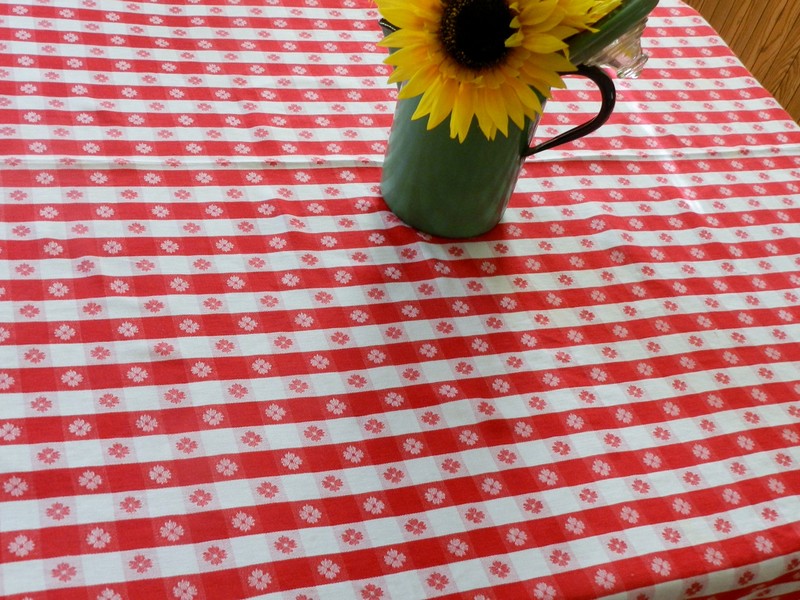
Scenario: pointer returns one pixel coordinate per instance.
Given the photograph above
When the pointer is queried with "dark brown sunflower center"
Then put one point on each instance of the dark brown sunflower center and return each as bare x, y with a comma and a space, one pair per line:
474, 32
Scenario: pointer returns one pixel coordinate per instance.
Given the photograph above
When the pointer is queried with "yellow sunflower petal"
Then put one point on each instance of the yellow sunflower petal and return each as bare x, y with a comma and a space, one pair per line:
515, 40
543, 43
437, 101
549, 77
496, 108
484, 121
463, 111
445, 103
403, 38
513, 105
530, 101
533, 13
409, 15
553, 19
419, 82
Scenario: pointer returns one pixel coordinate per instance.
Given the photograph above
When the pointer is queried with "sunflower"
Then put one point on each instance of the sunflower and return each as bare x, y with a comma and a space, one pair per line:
490, 60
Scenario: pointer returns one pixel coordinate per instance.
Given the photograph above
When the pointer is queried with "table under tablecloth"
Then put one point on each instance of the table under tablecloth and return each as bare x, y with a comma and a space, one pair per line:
227, 370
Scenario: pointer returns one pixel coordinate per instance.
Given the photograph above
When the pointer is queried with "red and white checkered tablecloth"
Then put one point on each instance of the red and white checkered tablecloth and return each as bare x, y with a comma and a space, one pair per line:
227, 371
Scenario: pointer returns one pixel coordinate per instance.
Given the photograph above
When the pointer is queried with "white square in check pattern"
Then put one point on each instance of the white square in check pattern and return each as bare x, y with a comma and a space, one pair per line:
183, 304
151, 448
422, 471
586, 552
95, 509
252, 549
83, 453
234, 494
215, 442
687, 431
405, 587
24, 458
665, 484
529, 563
474, 575
383, 531
174, 561
19, 577
503, 511
318, 540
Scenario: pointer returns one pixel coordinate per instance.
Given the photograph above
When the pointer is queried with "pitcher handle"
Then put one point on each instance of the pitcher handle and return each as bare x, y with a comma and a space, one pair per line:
608, 95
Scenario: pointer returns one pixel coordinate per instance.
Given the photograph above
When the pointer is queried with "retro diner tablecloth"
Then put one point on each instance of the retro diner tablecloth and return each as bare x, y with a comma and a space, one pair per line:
227, 371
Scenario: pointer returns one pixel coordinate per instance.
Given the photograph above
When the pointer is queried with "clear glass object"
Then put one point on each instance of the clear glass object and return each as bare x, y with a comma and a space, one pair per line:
616, 42
624, 55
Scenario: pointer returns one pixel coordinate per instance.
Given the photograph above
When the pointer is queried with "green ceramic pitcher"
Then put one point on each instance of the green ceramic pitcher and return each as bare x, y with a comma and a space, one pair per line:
454, 189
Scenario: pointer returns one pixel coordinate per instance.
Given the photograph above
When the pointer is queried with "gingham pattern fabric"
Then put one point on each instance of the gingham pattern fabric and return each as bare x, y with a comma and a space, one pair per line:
228, 371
